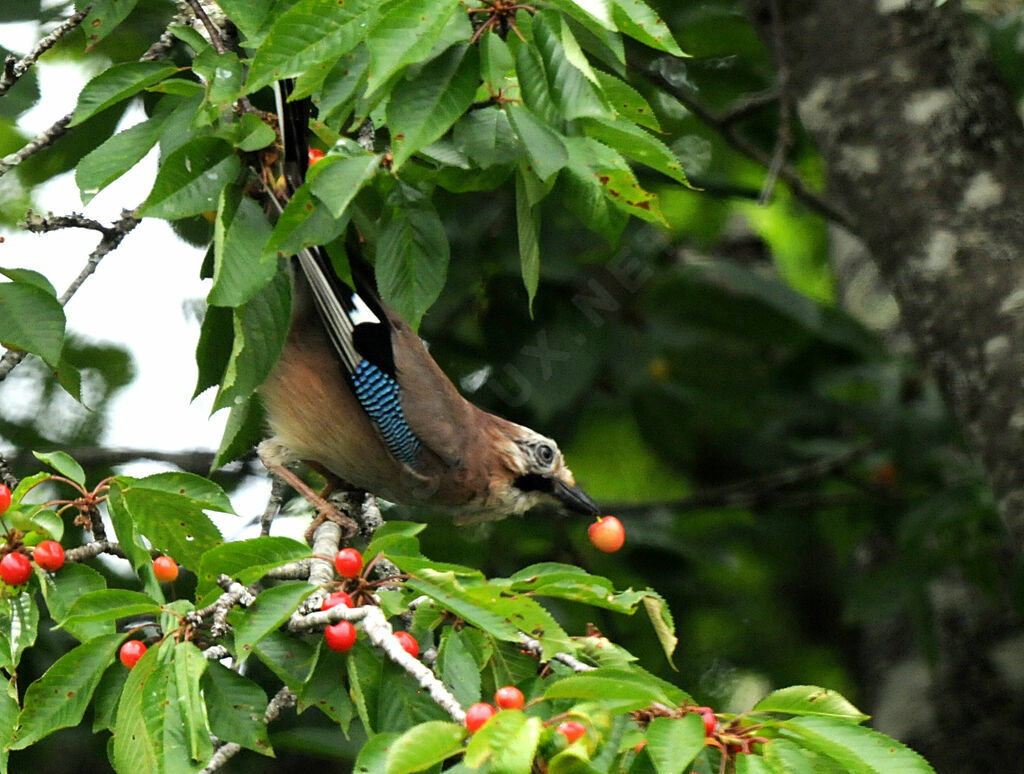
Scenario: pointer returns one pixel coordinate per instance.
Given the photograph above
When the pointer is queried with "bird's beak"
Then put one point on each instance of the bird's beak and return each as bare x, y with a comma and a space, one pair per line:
574, 498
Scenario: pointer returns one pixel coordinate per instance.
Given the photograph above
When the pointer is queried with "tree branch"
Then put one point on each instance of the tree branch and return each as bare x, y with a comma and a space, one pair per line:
14, 68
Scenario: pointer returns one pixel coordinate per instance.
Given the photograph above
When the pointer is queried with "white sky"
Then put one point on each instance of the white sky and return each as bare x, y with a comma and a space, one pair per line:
136, 298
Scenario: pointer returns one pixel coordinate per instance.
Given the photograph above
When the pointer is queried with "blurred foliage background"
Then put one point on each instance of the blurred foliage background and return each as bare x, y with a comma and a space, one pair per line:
789, 479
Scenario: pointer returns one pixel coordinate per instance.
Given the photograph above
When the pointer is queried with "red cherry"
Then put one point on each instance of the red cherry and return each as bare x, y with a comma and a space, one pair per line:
15, 568
710, 721
607, 534
409, 644
315, 154
165, 569
49, 555
5, 498
336, 598
348, 562
340, 636
131, 652
508, 697
571, 730
478, 714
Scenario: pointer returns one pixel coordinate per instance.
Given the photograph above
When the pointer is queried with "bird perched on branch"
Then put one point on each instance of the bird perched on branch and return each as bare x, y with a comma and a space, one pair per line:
356, 395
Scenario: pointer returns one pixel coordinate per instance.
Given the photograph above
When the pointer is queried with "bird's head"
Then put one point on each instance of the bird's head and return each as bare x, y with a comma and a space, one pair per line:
534, 474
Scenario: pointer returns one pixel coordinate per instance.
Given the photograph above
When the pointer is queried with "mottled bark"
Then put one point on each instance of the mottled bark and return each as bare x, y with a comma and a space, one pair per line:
924, 151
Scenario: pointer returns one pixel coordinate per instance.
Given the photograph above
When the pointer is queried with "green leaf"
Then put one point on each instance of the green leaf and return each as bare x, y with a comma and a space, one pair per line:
250, 16
457, 667
754, 764
412, 254
424, 745
373, 756
304, 223
290, 658
622, 690
627, 101
222, 74
189, 666
245, 561
31, 319
640, 22
309, 34
486, 138
860, 750
567, 80
810, 700
191, 178
130, 541
673, 743
261, 327
64, 464
119, 153
634, 143
174, 523
236, 706
335, 181
497, 68
58, 699
599, 165
508, 740
117, 83
244, 429
47, 523
325, 691
133, 749
30, 277
241, 230
248, 133
390, 530
108, 605
19, 623
201, 491
528, 233
544, 147
424, 107
213, 350
103, 17
106, 697
61, 589
272, 608
403, 34
661, 620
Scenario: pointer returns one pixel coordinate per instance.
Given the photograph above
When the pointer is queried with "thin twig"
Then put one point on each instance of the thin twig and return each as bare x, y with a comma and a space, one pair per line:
728, 132
568, 659
211, 28
785, 138
15, 68
44, 139
284, 699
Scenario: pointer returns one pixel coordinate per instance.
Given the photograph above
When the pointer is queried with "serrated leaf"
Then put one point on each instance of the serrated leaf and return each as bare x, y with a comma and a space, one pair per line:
130, 541
33, 320
174, 523
861, 750
47, 523
661, 620
250, 16
59, 698
567, 81
191, 178
412, 255
673, 743
810, 700
61, 589
106, 697
634, 143
621, 690
241, 231
754, 764
222, 74
528, 236
627, 101
597, 164
308, 34
249, 133
189, 666
304, 223
424, 107
64, 464
246, 561
236, 707
19, 623
325, 691
290, 658
404, 34
103, 18
373, 755
544, 147
244, 429
272, 608
424, 745
486, 138
30, 277
261, 327
508, 741
636, 19
164, 714
116, 83
335, 181
457, 668
133, 749
109, 605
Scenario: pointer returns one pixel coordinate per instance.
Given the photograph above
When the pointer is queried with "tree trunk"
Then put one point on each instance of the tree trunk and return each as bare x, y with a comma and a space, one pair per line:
924, 151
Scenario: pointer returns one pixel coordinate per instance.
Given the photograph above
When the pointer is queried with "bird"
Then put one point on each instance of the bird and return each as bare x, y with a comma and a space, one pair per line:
356, 395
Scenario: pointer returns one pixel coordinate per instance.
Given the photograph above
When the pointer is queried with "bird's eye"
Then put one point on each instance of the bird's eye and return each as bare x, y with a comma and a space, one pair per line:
545, 454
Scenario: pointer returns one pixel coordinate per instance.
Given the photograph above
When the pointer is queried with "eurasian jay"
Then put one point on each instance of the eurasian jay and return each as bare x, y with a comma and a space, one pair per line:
356, 394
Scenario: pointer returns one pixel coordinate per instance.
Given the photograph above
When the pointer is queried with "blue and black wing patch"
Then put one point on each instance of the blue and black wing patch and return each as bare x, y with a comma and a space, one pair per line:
378, 394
